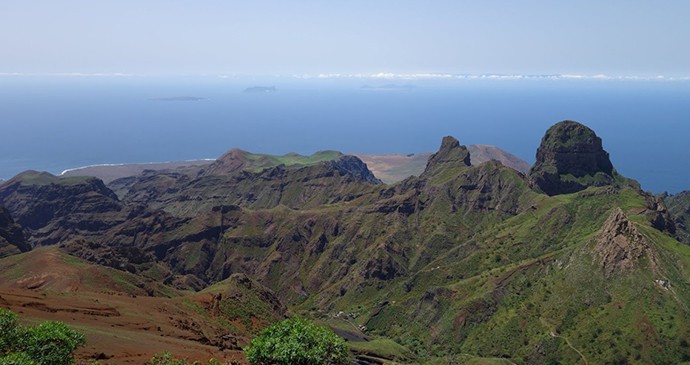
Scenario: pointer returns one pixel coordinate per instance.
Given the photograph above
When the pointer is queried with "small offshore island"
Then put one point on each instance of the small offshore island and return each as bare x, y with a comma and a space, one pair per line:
260, 89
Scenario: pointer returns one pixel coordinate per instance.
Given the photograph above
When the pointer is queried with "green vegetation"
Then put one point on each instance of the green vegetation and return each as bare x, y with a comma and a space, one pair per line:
44, 178
297, 341
49, 343
258, 162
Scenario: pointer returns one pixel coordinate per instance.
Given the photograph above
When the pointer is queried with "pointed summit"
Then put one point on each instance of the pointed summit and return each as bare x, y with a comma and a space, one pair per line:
450, 155
569, 159
619, 244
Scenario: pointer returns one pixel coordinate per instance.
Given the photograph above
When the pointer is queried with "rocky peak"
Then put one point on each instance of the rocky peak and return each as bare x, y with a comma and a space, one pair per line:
450, 155
619, 243
569, 159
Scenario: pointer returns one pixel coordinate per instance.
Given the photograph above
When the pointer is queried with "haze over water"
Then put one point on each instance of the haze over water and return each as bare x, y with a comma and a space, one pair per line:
55, 123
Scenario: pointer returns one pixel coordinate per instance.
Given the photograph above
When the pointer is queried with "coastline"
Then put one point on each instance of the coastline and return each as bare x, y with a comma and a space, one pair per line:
112, 171
201, 161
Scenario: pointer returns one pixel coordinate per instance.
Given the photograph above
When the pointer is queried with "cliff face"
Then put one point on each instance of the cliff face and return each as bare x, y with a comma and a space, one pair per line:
51, 209
569, 159
679, 208
11, 236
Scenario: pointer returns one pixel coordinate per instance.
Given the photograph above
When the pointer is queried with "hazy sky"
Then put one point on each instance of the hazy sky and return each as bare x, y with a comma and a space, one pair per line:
620, 37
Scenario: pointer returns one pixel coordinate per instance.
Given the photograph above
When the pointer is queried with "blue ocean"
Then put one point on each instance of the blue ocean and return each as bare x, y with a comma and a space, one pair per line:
56, 123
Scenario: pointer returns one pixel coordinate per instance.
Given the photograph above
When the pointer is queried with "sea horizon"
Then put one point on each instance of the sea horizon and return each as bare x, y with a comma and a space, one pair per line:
60, 123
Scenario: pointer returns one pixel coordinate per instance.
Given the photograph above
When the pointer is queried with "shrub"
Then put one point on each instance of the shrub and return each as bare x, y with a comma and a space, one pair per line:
8, 331
17, 358
299, 342
49, 343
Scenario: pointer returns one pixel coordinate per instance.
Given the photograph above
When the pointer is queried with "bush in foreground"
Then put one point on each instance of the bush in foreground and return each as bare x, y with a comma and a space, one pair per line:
299, 342
49, 343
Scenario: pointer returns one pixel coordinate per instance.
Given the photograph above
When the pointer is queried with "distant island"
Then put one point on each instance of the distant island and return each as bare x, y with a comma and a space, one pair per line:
178, 98
260, 89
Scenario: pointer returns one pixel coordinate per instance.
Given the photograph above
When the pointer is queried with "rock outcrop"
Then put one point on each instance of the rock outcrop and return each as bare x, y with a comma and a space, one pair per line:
352, 166
569, 159
619, 244
450, 156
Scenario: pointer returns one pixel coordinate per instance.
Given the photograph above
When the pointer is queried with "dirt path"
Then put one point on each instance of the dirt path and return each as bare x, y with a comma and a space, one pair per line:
584, 359
554, 334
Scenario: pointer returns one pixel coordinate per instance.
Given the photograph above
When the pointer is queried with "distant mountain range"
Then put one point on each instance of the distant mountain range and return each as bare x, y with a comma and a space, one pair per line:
459, 261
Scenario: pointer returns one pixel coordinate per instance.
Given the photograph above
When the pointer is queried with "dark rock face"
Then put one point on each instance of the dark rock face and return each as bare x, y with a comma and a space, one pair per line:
353, 166
38, 200
569, 159
679, 209
11, 236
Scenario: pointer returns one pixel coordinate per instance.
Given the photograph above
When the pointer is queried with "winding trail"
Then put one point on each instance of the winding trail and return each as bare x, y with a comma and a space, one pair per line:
584, 359
554, 334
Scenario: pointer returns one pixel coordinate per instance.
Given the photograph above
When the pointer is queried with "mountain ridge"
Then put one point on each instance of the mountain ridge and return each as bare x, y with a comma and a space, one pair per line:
462, 260
390, 168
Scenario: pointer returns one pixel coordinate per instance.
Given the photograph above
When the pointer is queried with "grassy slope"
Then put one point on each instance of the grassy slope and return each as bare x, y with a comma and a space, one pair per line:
258, 162
528, 282
473, 278
475, 283
531, 290
44, 178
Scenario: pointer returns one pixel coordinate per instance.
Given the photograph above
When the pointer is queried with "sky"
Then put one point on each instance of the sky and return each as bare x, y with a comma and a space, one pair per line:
279, 37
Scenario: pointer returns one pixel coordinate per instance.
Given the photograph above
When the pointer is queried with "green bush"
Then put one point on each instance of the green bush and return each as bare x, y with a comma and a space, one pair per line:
52, 343
299, 342
49, 343
8, 331
17, 358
